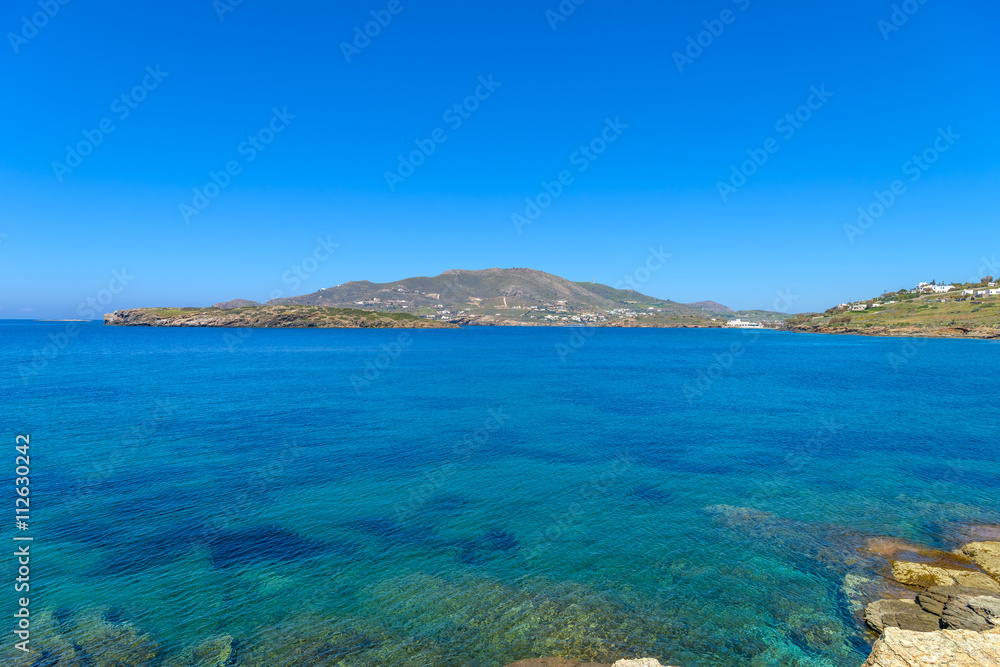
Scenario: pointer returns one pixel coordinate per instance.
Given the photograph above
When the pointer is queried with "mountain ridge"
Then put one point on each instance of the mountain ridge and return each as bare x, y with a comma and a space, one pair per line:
507, 296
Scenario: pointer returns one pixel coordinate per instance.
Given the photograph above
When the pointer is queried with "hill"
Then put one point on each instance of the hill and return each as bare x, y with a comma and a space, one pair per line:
712, 307
516, 296
953, 316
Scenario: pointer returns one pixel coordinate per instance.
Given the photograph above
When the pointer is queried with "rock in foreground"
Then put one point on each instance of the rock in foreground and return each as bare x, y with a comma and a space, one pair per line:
938, 608
946, 648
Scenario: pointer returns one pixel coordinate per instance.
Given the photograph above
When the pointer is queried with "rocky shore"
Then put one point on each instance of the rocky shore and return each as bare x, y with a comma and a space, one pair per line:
285, 317
927, 607
983, 332
953, 617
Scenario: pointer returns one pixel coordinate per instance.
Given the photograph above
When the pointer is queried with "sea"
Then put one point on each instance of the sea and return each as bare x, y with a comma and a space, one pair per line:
475, 496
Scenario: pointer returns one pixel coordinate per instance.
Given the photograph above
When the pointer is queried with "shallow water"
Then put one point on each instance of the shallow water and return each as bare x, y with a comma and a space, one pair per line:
481, 495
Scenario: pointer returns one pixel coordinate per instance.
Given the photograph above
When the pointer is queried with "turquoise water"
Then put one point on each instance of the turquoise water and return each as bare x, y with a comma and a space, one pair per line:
480, 495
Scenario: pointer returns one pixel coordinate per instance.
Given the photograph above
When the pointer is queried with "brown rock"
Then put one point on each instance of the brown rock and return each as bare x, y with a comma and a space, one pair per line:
924, 575
986, 555
903, 614
961, 608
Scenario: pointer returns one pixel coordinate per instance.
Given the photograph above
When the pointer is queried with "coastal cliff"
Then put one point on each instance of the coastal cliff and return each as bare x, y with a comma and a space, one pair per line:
287, 317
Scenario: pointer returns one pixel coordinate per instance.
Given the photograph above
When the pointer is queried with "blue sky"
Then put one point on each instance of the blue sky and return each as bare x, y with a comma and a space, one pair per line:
211, 85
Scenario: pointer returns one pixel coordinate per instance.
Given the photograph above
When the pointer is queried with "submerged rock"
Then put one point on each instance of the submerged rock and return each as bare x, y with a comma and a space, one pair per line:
960, 532
945, 648
566, 662
555, 662
69, 639
219, 652
986, 555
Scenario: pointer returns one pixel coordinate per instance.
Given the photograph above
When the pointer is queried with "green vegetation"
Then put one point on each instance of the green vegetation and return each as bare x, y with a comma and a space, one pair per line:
925, 314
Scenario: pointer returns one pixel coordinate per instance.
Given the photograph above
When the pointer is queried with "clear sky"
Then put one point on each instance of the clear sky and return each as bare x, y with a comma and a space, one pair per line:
643, 108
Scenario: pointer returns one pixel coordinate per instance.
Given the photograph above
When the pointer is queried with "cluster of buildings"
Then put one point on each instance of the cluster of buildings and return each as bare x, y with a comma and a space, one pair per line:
926, 288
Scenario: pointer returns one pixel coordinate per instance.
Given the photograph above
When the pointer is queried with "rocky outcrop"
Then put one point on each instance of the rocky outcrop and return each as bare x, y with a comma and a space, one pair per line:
986, 555
903, 614
271, 317
925, 576
946, 648
962, 608
983, 332
938, 608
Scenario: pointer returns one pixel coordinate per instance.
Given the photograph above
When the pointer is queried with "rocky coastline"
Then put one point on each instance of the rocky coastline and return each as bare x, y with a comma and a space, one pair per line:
951, 331
283, 317
924, 607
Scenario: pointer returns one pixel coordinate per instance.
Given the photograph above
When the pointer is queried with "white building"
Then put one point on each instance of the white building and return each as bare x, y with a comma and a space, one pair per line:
941, 289
740, 324
859, 306
995, 292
